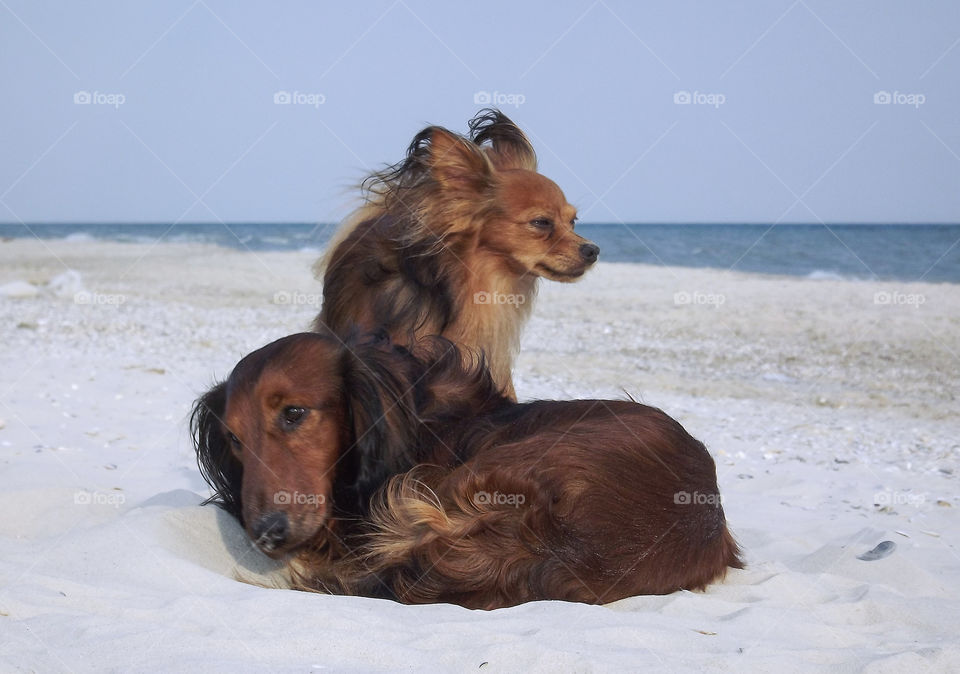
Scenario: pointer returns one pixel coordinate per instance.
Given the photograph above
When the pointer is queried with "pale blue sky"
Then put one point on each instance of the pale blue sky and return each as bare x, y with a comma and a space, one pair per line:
793, 134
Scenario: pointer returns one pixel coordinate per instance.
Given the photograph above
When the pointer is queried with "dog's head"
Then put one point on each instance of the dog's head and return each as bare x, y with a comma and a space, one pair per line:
532, 224
304, 428
536, 228
488, 184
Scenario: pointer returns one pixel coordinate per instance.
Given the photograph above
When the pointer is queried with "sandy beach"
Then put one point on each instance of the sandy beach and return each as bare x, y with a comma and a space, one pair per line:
831, 408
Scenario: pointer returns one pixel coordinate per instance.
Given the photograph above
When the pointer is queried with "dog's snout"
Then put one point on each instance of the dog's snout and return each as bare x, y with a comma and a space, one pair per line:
589, 252
271, 531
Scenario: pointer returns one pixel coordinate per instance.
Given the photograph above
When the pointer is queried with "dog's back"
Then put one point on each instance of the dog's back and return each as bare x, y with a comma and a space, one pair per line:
374, 280
593, 501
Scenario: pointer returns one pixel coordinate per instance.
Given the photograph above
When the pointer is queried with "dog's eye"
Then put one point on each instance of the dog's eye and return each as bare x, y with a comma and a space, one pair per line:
292, 416
234, 442
542, 223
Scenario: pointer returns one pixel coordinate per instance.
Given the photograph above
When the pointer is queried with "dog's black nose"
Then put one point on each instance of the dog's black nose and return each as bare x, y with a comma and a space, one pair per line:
270, 531
589, 252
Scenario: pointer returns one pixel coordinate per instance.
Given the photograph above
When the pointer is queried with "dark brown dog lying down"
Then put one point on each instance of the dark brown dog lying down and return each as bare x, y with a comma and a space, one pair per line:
381, 472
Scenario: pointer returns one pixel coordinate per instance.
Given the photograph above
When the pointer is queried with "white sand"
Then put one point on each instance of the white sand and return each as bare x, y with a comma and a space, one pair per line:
833, 420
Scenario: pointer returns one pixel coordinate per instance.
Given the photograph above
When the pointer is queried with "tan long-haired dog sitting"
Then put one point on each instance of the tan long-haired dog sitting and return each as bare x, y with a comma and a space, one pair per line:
452, 241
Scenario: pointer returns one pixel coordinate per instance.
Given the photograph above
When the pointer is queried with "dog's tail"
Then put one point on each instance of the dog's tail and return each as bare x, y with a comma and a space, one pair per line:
463, 546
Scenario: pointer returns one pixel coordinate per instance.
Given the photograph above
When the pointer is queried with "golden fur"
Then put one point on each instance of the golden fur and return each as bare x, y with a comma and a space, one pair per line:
452, 241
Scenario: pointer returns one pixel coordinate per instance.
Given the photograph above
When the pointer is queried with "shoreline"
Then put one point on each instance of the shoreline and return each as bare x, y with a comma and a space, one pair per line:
825, 272
66, 247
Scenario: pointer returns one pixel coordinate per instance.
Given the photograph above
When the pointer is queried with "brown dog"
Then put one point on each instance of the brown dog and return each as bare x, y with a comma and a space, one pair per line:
452, 242
410, 476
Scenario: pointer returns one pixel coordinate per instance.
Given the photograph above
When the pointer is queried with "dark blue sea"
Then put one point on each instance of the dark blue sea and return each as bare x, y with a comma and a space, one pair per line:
867, 252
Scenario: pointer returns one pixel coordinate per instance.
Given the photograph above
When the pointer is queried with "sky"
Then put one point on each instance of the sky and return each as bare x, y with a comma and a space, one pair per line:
767, 111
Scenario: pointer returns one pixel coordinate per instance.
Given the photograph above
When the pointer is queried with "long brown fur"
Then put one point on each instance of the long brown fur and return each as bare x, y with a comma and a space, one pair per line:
431, 486
451, 241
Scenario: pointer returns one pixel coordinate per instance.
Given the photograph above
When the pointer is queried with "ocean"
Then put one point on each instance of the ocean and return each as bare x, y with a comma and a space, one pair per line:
857, 252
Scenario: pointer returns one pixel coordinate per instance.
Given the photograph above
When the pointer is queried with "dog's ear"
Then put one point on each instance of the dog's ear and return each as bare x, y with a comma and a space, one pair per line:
381, 394
457, 164
219, 467
509, 146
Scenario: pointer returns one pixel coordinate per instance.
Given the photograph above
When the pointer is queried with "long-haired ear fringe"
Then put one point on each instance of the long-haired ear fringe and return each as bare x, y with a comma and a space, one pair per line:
381, 390
219, 467
509, 146
437, 162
